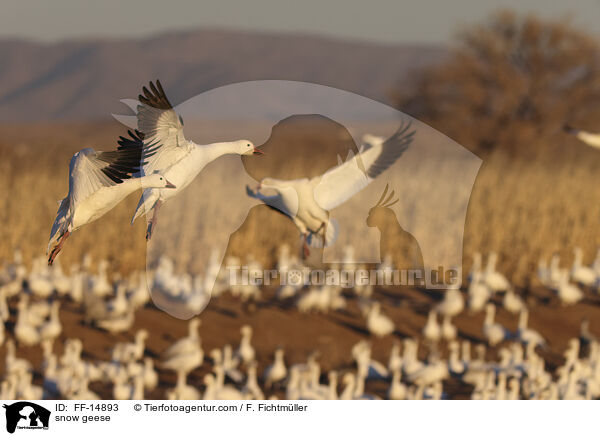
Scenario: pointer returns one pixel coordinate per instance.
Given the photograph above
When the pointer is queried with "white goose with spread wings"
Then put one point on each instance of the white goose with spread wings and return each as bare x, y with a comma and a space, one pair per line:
98, 180
591, 139
308, 201
178, 158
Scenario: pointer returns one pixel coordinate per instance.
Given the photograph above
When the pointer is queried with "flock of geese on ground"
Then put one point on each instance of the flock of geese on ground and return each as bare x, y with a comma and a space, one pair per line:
518, 372
160, 160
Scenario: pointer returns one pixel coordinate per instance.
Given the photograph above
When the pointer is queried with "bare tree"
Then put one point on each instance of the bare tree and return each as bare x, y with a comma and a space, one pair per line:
510, 82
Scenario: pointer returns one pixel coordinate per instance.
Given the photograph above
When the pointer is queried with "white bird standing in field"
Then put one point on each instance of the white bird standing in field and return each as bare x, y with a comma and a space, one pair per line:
118, 324
478, 292
98, 284
449, 330
397, 390
12, 277
130, 351
246, 351
432, 330
526, 334
580, 273
39, 280
178, 158
98, 181
493, 332
308, 201
452, 304
26, 331
252, 390
591, 139
494, 280
189, 343
475, 268
512, 302
183, 391
185, 354
379, 324
277, 371
51, 329
567, 292
436, 370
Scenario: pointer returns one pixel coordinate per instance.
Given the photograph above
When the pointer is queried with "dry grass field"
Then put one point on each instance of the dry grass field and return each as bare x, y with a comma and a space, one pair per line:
523, 208
514, 183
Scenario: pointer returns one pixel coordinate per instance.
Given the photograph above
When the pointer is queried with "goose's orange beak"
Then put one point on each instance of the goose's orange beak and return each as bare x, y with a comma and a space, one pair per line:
257, 151
170, 185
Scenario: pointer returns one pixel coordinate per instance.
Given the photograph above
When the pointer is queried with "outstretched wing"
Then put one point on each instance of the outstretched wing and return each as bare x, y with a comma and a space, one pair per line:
591, 139
342, 182
91, 170
129, 157
287, 205
158, 121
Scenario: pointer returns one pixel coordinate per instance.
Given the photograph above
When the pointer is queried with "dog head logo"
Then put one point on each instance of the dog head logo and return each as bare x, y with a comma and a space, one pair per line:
26, 415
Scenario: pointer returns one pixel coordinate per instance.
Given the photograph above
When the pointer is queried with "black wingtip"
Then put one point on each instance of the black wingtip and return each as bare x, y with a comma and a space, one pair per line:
567, 128
136, 140
129, 156
155, 96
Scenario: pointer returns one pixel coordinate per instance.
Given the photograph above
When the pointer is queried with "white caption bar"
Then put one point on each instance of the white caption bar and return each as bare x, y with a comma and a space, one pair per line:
298, 417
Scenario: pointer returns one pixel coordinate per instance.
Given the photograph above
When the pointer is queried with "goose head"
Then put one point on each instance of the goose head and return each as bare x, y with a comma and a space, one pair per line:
246, 331
156, 180
375, 308
209, 380
279, 353
141, 335
217, 356
332, 377
492, 260
243, 147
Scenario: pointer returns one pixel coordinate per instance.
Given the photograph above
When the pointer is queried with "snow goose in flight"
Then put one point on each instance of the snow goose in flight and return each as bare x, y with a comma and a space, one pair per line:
178, 158
308, 201
591, 139
98, 180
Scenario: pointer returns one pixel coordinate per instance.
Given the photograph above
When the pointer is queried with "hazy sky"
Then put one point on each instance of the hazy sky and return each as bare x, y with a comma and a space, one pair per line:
391, 21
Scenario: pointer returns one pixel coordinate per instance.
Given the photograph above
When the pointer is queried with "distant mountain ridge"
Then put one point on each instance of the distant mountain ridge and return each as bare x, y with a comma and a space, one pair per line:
84, 80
